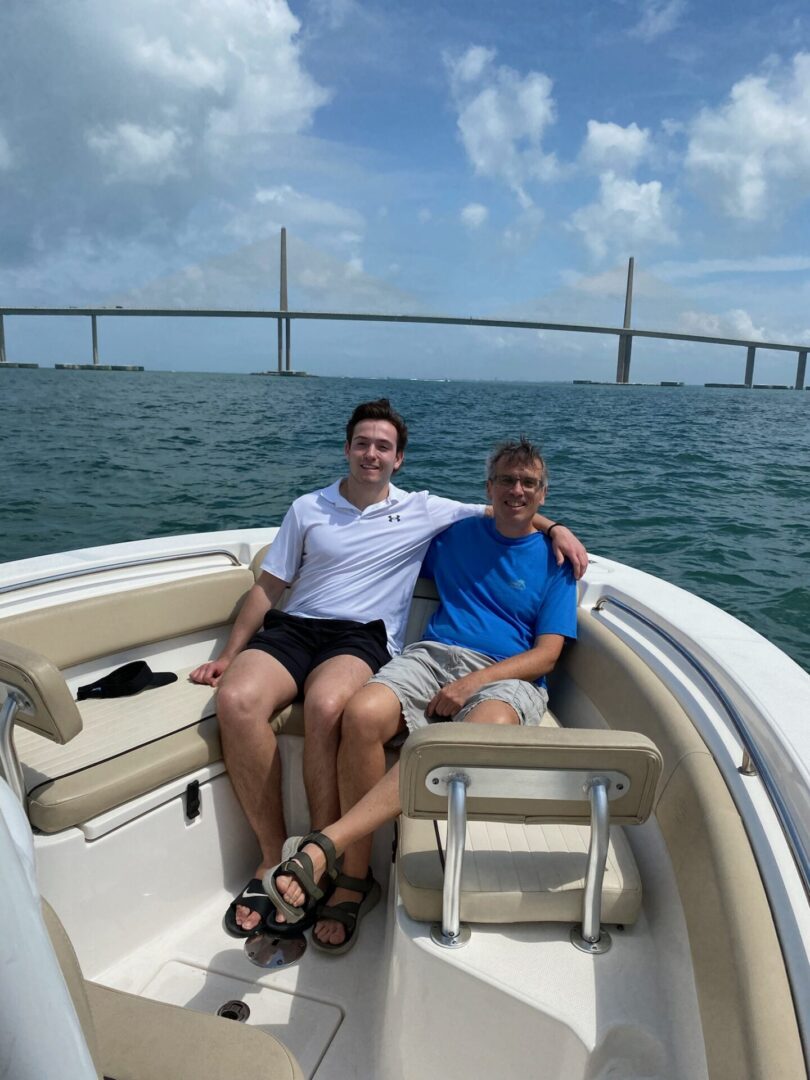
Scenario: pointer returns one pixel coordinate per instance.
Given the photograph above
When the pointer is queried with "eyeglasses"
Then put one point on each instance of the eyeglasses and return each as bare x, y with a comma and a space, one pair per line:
508, 480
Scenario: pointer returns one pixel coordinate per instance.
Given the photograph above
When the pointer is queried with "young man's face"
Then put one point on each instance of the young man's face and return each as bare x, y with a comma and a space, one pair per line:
516, 493
372, 454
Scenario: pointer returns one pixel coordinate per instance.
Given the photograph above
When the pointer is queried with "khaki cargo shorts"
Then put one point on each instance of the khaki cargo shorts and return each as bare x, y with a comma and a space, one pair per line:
425, 667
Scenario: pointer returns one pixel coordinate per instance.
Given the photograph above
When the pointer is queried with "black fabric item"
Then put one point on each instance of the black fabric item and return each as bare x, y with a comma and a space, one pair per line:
125, 681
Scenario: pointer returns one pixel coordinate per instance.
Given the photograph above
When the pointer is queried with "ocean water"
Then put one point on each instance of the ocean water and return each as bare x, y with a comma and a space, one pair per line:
707, 488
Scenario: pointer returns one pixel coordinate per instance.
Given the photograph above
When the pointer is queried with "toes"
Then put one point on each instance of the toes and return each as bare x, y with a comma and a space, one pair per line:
289, 888
247, 918
330, 933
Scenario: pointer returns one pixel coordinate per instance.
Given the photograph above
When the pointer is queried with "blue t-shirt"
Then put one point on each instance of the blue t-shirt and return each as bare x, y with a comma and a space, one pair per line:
497, 593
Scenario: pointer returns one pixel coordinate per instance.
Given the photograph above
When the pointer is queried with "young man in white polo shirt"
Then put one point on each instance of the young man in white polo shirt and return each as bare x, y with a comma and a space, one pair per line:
350, 554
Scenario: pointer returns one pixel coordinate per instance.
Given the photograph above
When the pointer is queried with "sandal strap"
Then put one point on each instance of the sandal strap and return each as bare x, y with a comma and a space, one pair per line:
344, 912
355, 884
322, 841
300, 867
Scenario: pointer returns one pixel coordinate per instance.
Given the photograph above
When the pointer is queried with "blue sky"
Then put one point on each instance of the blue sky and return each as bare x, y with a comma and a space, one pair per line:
462, 158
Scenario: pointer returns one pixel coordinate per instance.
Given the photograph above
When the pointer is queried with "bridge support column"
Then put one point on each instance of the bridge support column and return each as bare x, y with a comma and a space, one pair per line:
749, 366
801, 367
283, 305
626, 340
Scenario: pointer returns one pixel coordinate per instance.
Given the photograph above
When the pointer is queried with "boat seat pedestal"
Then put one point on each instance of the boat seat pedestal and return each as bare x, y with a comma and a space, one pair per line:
525, 778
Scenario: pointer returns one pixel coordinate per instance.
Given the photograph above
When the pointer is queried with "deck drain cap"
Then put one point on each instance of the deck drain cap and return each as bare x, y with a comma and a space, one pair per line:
234, 1010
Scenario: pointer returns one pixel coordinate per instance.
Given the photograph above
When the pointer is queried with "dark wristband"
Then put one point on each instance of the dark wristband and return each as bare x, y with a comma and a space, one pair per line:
554, 526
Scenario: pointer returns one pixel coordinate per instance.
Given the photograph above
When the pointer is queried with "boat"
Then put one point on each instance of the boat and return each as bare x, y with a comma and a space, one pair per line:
678, 950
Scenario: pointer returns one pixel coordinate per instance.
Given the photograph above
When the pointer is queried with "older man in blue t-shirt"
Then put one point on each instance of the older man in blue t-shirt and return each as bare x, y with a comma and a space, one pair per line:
505, 611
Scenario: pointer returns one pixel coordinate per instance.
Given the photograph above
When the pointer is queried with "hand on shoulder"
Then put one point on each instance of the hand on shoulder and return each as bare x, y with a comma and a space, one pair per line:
567, 546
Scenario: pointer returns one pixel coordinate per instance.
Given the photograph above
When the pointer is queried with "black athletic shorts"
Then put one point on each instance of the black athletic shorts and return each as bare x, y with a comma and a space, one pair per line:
301, 644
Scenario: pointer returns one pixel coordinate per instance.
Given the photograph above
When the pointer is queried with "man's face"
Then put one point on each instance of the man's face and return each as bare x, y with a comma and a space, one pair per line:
516, 493
372, 454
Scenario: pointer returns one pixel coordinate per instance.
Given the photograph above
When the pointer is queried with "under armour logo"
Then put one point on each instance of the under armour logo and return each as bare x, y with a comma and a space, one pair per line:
393, 517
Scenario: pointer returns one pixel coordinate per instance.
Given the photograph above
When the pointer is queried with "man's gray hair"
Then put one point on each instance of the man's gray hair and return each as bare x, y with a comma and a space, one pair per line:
517, 452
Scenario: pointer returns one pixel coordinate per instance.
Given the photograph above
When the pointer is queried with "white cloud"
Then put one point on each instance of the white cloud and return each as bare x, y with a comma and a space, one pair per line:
758, 264
502, 118
613, 283
736, 323
522, 233
249, 277
197, 101
333, 14
471, 66
627, 215
6, 157
658, 17
610, 146
474, 215
291, 207
751, 155
157, 56
424, 216
268, 90
133, 153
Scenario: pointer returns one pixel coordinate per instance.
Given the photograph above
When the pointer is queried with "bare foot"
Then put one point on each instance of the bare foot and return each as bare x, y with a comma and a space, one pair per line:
330, 931
246, 918
289, 888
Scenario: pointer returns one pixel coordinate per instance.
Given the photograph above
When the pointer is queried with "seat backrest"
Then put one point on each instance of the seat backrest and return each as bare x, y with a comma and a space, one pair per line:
528, 774
46, 704
94, 626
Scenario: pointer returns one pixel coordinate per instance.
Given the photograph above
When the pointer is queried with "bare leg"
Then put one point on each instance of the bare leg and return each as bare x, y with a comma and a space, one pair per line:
327, 690
377, 806
252, 689
372, 717
369, 719
360, 759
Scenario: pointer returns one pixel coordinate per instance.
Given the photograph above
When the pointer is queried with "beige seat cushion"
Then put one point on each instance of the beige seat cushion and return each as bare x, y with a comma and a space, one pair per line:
516, 873
127, 747
139, 1039
134, 1038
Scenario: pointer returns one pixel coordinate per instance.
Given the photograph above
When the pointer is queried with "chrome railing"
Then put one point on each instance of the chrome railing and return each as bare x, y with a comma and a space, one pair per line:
753, 762
121, 564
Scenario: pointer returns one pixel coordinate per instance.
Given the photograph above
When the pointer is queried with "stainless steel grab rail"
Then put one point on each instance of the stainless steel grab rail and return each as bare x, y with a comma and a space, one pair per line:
123, 564
750, 750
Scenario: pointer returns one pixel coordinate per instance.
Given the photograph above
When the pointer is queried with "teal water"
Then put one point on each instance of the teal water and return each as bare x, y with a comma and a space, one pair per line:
707, 488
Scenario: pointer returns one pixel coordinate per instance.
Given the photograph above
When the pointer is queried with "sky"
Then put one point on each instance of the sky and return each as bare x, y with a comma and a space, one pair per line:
454, 158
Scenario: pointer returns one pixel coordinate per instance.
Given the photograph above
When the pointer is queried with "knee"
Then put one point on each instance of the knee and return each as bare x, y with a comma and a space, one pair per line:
322, 714
493, 712
238, 705
363, 721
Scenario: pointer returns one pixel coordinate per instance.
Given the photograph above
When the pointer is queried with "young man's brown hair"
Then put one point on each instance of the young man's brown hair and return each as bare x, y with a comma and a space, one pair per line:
381, 409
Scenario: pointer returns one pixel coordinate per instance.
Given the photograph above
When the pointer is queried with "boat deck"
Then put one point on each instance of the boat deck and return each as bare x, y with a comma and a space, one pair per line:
515, 994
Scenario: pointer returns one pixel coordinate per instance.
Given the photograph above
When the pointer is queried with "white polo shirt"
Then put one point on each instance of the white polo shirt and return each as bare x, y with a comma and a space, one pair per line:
345, 563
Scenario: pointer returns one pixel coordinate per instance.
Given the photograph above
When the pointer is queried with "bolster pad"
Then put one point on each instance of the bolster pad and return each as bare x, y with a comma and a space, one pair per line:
49, 707
524, 750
